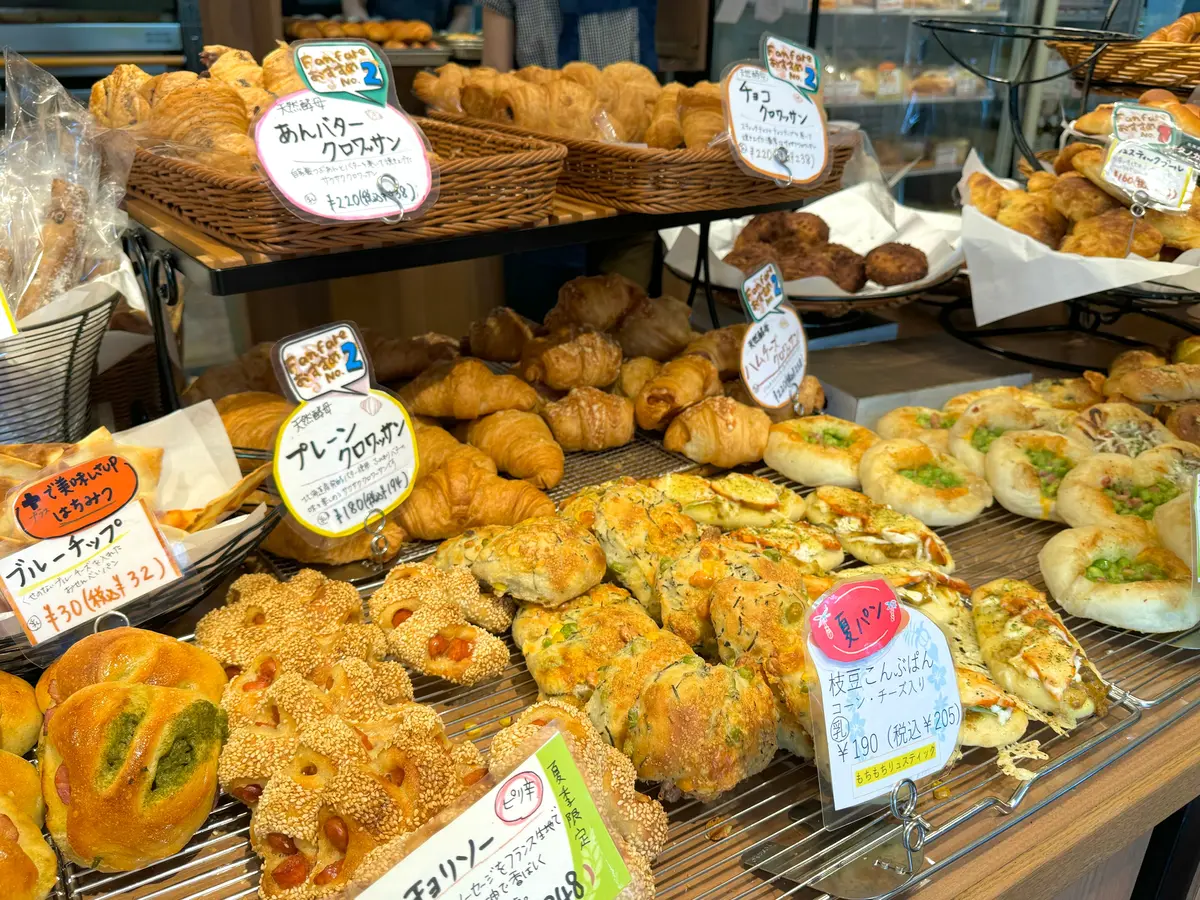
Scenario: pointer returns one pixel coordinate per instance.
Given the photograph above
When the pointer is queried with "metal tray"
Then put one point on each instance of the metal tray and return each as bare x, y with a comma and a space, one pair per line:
766, 839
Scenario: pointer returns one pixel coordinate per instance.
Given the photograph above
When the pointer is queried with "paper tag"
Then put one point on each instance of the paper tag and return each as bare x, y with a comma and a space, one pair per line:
342, 159
890, 84
340, 458
889, 5
326, 359
537, 831
844, 91
57, 584
75, 498
945, 155
777, 133
762, 292
774, 358
965, 84
349, 69
1166, 180
888, 693
1132, 122
791, 63
8, 324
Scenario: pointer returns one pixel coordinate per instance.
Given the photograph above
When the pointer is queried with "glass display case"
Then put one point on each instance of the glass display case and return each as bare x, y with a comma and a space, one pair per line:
922, 111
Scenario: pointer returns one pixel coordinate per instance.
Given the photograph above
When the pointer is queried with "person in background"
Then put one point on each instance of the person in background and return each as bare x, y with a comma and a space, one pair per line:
550, 33
442, 15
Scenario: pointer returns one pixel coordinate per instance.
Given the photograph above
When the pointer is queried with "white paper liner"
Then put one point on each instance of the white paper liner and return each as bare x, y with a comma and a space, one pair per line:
1012, 273
858, 217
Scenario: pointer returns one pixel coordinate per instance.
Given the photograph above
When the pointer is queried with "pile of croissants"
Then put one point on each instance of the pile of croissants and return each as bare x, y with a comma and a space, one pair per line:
607, 359
210, 114
1074, 210
393, 34
622, 102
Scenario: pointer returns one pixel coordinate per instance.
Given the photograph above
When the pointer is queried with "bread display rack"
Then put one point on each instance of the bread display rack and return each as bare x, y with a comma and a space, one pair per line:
766, 839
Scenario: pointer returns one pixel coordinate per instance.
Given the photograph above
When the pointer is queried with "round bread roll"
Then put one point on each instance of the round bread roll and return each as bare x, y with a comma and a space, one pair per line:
1119, 577
1115, 491
991, 717
918, 423
21, 786
818, 450
28, 867
1118, 428
956, 406
1025, 470
1177, 461
981, 423
1173, 524
20, 718
915, 479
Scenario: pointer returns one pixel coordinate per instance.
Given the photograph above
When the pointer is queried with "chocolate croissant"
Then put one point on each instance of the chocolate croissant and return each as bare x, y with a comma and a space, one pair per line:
499, 336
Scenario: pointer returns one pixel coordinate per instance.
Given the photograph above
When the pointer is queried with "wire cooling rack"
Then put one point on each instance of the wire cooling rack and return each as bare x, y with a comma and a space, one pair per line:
766, 840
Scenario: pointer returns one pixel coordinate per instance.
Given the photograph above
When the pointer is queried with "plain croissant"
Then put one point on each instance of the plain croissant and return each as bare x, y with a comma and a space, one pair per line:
590, 419
465, 389
719, 431
521, 445
459, 495
436, 447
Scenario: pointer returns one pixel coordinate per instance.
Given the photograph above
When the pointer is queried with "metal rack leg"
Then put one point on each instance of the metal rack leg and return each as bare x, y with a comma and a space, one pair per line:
1172, 857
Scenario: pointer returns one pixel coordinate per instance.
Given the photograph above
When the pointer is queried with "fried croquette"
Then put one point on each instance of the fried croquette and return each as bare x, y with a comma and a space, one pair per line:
893, 263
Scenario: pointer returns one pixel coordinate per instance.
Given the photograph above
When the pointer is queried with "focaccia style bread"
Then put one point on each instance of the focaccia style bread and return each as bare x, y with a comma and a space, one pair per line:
875, 533
545, 561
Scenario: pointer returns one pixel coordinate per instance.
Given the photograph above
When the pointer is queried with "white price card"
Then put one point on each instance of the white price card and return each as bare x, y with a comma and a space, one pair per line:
1146, 124
889, 84
328, 359
884, 680
535, 834
777, 132
1166, 180
341, 457
774, 358
762, 292
57, 584
791, 63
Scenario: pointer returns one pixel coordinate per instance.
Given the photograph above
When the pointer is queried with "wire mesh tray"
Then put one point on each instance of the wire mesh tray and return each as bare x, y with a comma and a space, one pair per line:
766, 839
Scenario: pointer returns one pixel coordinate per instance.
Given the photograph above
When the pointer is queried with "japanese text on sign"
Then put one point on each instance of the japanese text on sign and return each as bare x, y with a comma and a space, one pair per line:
791, 63
328, 359
884, 679
339, 458
536, 834
349, 67
777, 133
762, 292
774, 357
1166, 180
76, 497
327, 155
62, 582
1142, 123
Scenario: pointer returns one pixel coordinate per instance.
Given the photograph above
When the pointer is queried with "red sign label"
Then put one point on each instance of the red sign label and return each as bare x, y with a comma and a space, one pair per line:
75, 498
855, 619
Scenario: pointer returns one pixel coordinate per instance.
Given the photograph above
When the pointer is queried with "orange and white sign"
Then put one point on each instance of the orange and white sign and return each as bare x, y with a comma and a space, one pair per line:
75, 498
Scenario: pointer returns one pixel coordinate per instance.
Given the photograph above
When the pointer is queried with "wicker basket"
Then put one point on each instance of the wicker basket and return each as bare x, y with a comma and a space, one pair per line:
1130, 69
649, 180
489, 182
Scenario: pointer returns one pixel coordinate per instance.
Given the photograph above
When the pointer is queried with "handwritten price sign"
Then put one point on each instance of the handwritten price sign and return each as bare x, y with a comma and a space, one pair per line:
328, 359
1166, 180
777, 133
774, 358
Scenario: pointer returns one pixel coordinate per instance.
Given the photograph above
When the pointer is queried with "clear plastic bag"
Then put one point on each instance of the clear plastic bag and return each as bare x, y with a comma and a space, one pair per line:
62, 178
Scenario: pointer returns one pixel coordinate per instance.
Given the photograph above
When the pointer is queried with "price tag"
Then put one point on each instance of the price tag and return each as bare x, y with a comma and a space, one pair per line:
884, 680
8, 324
762, 292
965, 84
774, 358
945, 155
777, 133
1166, 179
62, 582
789, 62
351, 69
890, 85
539, 825
1145, 124
889, 5
346, 452
846, 90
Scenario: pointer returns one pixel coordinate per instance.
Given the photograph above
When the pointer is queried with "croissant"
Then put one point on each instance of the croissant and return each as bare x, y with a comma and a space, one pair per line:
291, 541
116, 100
256, 101
236, 68
458, 496
252, 419
722, 347
436, 447
635, 373
1180, 31
161, 85
701, 114
581, 73
198, 113
735, 389
279, 75
394, 358
438, 92
500, 336
594, 301
985, 194
60, 264
627, 92
572, 358
1108, 235
719, 431
590, 419
572, 108
1033, 215
665, 130
682, 382
525, 104
1178, 230
465, 389
658, 328
252, 371
521, 445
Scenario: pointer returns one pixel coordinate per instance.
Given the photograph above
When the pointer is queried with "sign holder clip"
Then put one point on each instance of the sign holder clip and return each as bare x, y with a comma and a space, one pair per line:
915, 828
390, 188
